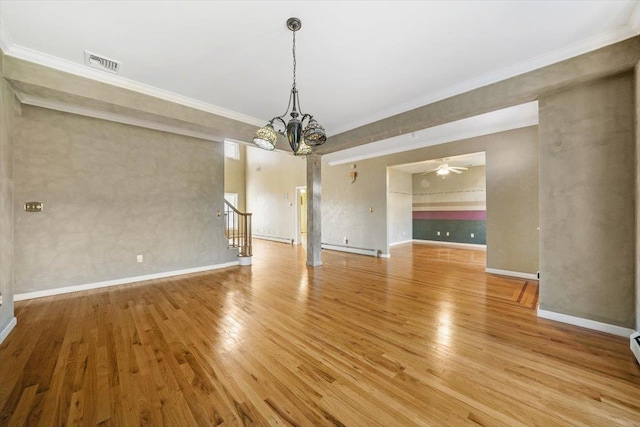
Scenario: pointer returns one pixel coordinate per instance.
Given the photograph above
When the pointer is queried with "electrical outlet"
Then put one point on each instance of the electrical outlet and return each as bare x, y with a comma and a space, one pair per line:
346, 241
140, 258
438, 233
447, 233
473, 236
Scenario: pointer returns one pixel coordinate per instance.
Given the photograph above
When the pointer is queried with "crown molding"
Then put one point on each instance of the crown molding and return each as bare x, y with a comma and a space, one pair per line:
634, 20
46, 60
5, 38
37, 101
631, 29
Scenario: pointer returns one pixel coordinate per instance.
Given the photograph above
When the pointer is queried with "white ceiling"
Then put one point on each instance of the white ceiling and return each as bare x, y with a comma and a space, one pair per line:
357, 61
465, 160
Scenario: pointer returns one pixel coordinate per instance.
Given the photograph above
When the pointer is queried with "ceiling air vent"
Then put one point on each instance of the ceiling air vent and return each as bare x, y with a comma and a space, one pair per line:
101, 63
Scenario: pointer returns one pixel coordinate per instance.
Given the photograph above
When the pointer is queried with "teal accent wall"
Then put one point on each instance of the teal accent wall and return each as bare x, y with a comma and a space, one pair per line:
459, 230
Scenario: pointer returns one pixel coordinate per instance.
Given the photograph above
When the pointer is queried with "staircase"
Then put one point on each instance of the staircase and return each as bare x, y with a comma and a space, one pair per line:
237, 229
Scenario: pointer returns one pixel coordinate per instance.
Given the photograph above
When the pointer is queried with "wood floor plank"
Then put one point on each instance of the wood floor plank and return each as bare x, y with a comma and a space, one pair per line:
425, 338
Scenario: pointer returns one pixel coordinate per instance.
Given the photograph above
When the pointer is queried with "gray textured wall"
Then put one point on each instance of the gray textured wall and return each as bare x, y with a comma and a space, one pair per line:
235, 173
111, 192
272, 178
6, 201
512, 197
346, 206
587, 206
399, 203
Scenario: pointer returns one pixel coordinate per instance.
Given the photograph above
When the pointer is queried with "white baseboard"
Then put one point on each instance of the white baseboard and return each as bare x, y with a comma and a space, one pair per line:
272, 238
7, 329
385, 255
359, 251
586, 323
635, 345
451, 244
123, 281
517, 274
401, 243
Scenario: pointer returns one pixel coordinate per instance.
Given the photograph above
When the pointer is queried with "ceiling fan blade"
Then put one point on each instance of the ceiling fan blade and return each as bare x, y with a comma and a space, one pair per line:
432, 170
455, 171
461, 168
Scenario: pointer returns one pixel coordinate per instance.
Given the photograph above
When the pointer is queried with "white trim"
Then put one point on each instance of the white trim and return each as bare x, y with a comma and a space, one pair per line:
385, 255
115, 282
635, 347
592, 43
598, 41
7, 329
401, 243
244, 260
586, 323
451, 244
273, 238
231, 149
298, 213
112, 117
82, 70
6, 41
511, 273
341, 248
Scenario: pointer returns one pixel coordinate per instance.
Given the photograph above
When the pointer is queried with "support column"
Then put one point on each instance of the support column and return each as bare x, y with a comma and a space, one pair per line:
314, 221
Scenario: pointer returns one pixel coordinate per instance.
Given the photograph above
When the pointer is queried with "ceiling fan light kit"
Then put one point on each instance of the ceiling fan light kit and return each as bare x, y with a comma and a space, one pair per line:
444, 169
301, 138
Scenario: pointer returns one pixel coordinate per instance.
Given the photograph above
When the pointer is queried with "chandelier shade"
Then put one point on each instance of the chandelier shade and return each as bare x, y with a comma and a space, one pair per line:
266, 137
302, 131
303, 149
314, 133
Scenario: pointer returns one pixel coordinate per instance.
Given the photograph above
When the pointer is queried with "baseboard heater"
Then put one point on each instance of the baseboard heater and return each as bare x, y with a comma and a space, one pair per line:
273, 238
351, 249
635, 345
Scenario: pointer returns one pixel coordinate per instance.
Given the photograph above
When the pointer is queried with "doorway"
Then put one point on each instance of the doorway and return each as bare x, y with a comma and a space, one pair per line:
301, 215
439, 201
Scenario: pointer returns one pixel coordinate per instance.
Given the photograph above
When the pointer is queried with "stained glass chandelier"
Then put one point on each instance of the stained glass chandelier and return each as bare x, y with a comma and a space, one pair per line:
301, 138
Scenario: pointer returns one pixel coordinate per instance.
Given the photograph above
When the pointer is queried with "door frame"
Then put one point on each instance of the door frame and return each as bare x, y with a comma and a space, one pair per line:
298, 213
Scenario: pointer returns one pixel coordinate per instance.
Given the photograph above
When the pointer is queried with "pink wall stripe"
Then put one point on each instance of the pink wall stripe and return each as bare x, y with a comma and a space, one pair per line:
459, 215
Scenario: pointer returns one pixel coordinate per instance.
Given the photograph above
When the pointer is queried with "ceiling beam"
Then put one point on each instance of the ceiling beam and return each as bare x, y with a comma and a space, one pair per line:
82, 93
610, 60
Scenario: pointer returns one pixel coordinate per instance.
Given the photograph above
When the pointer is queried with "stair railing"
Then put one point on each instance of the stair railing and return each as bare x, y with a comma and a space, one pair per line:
237, 229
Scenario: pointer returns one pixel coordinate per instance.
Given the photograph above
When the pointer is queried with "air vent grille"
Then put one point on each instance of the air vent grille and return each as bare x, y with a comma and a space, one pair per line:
101, 63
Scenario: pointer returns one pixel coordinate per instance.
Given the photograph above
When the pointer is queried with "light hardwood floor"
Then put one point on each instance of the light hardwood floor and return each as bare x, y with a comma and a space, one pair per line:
423, 338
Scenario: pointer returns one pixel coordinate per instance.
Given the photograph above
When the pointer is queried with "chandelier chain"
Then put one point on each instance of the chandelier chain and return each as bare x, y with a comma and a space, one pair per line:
294, 59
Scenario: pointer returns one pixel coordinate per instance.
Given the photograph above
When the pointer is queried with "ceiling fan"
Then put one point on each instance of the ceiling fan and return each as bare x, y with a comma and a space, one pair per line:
444, 169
